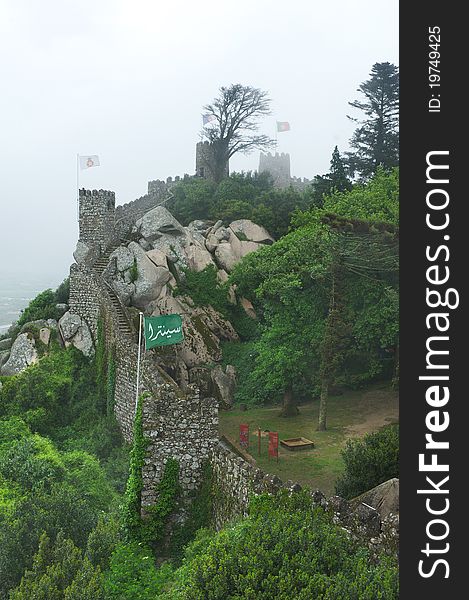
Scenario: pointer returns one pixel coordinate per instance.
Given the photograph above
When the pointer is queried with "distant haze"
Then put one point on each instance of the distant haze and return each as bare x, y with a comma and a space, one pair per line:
127, 80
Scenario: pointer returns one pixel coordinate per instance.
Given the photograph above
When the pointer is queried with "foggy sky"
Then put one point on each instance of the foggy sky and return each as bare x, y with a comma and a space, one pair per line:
127, 79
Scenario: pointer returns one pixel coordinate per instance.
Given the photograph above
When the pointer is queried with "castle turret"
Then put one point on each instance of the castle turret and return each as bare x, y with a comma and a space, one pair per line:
96, 217
278, 166
205, 165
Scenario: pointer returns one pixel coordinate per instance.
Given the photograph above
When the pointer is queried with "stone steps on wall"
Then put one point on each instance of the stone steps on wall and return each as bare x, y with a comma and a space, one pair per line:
122, 321
101, 263
98, 267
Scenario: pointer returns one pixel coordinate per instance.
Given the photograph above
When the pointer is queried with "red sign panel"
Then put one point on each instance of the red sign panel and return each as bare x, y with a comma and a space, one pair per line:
244, 435
273, 444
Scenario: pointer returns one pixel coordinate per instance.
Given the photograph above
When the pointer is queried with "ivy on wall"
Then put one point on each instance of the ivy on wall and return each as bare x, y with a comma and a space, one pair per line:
111, 382
101, 362
131, 518
151, 528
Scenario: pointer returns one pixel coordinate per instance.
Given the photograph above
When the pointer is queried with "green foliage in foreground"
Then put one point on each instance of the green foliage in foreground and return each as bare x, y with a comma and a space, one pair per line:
283, 550
133, 574
292, 282
49, 491
369, 461
60, 572
62, 482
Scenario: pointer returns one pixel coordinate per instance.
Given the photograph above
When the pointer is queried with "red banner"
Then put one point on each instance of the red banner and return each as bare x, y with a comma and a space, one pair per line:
273, 444
244, 435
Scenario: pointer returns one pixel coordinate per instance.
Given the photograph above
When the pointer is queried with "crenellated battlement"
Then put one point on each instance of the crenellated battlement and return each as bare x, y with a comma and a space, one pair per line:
278, 165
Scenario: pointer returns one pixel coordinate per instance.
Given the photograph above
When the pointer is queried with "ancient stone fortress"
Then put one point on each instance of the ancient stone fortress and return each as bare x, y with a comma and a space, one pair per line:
278, 165
130, 258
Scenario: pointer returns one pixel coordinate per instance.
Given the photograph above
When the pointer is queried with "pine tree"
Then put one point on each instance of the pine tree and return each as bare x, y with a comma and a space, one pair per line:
376, 141
334, 181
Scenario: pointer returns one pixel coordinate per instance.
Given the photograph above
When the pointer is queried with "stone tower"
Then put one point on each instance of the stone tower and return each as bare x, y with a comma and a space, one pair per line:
204, 161
96, 217
278, 165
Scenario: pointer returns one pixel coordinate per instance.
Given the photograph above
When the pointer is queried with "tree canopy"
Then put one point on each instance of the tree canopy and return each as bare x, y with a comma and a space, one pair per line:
291, 284
234, 128
375, 142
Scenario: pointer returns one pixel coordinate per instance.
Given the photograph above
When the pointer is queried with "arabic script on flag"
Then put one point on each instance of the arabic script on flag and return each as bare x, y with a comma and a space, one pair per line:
163, 330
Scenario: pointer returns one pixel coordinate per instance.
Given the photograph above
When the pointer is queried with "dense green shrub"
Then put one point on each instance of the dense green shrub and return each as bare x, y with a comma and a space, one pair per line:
59, 572
103, 540
62, 293
285, 549
205, 289
44, 394
41, 307
47, 490
133, 574
369, 461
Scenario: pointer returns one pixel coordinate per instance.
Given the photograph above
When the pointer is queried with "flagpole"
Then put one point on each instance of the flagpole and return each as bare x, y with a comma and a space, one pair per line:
138, 360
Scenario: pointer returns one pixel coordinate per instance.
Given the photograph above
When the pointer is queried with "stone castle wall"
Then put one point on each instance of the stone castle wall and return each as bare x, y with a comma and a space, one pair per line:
182, 426
127, 214
235, 480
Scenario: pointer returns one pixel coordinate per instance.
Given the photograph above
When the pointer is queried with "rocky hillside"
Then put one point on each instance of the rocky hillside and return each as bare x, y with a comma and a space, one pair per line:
145, 272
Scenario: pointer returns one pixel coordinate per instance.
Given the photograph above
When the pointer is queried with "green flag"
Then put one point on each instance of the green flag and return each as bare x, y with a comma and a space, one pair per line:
163, 330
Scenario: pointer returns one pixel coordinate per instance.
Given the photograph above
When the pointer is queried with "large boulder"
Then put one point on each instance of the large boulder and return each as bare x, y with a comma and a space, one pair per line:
85, 253
203, 328
158, 258
384, 498
6, 343
75, 332
249, 231
35, 326
198, 257
157, 222
69, 324
124, 258
228, 253
23, 353
150, 278
4, 356
224, 383
83, 341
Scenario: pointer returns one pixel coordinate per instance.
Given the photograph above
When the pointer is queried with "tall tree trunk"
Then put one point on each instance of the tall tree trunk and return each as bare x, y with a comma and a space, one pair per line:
289, 408
322, 424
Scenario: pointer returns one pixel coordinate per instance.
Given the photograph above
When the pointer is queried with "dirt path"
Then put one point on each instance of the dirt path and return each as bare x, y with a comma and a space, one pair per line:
382, 408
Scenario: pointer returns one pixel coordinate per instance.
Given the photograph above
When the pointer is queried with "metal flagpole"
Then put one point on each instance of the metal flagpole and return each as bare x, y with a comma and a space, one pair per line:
138, 360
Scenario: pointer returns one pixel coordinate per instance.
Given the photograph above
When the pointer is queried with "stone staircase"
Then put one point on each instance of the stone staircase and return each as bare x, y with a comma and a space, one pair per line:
98, 268
122, 320
101, 263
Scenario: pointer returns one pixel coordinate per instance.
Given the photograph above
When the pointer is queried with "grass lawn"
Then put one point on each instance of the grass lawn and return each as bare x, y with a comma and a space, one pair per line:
355, 413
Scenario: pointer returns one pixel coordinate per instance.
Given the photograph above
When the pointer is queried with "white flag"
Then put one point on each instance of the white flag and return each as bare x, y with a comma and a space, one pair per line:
89, 161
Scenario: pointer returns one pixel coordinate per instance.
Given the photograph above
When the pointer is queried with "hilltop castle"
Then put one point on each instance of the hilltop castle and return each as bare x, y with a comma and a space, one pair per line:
179, 421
